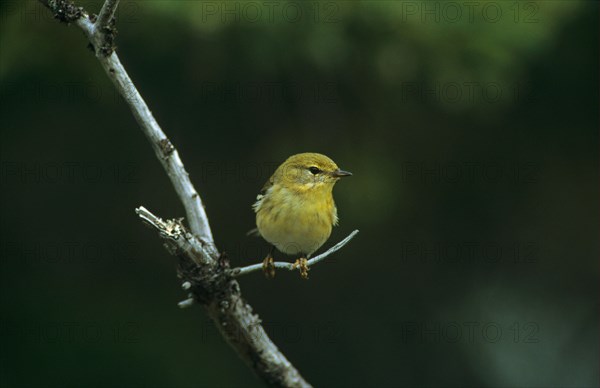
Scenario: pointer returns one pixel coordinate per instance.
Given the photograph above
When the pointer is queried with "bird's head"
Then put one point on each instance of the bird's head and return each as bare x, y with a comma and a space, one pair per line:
309, 171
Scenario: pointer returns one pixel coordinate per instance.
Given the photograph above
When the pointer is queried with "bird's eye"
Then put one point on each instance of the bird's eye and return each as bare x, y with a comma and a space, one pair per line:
314, 170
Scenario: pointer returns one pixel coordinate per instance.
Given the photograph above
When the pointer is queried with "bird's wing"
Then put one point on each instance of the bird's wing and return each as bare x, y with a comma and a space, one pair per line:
259, 199
263, 193
266, 188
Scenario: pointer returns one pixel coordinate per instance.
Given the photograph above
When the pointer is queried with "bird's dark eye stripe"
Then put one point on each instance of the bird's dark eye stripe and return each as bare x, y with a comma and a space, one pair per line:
314, 170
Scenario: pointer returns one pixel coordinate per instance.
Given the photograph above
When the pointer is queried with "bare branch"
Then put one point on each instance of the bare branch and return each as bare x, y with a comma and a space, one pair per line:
204, 272
173, 230
107, 13
236, 272
164, 150
210, 285
64, 10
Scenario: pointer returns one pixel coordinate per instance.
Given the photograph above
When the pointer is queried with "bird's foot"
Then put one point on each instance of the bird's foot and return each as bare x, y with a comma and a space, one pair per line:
302, 265
268, 267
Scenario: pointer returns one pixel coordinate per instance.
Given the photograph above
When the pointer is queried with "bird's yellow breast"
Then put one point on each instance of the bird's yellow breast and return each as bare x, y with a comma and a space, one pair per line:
296, 223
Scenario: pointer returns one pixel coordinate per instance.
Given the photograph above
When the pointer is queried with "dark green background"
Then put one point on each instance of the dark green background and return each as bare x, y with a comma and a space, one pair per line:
474, 146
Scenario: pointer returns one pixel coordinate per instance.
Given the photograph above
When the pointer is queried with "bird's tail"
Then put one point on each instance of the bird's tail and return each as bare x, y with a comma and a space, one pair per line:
253, 232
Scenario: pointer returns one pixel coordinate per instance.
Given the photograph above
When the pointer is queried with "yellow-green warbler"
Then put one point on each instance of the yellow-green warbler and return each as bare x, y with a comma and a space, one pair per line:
295, 210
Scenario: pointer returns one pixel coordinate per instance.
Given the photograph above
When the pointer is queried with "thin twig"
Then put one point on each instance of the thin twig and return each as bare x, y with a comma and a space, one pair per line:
107, 13
175, 231
236, 272
186, 303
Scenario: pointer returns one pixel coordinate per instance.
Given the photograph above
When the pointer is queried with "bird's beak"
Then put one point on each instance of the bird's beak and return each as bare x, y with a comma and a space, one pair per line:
340, 173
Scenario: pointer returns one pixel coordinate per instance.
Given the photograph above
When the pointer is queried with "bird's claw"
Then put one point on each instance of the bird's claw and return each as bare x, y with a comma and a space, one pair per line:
268, 267
302, 265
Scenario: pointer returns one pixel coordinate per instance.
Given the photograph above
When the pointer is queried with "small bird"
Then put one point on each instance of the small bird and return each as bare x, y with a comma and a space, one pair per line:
295, 210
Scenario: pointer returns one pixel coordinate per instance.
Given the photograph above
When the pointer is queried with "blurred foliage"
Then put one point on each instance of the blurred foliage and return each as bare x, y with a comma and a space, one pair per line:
474, 146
